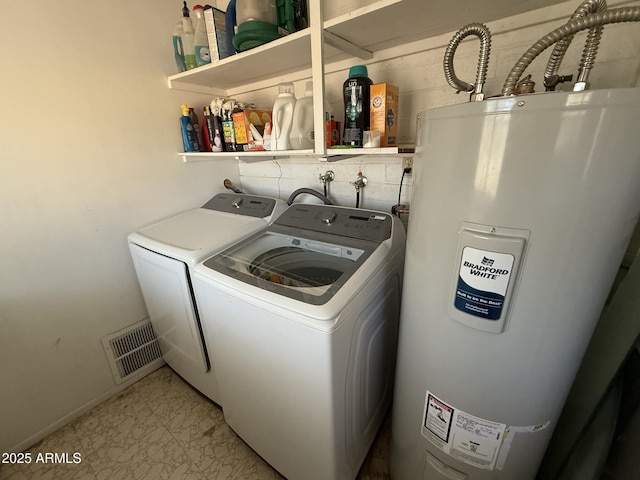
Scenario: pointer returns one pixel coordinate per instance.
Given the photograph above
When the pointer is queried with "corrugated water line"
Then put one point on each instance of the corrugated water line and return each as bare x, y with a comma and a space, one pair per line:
482, 32
551, 77
616, 15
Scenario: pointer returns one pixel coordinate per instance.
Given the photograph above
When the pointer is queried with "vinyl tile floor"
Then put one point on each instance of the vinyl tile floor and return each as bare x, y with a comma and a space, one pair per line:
160, 428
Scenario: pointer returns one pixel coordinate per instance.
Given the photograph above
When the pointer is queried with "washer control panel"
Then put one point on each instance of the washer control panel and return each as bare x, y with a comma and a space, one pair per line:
347, 222
241, 204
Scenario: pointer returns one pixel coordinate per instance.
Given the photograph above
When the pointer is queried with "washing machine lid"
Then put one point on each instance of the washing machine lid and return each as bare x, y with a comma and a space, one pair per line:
307, 264
304, 269
193, 235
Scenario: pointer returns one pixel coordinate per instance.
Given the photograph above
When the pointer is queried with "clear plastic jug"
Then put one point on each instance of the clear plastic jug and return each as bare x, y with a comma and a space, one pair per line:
256, 10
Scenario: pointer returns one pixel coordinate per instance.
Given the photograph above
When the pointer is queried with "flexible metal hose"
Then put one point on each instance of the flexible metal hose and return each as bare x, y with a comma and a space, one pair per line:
483, 33
615, 15
590, 48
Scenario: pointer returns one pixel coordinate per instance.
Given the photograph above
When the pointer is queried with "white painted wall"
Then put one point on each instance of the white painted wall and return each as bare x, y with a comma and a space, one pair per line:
88, 144
417, 70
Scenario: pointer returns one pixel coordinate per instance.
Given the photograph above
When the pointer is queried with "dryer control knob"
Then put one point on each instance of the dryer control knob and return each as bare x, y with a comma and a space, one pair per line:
236, 202
328, 217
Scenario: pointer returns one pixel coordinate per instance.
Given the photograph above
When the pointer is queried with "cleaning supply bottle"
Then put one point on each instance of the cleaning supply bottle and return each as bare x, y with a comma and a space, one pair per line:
356, 106
302, 134
188, 38
227, 125
211, 126
178, 51
195, 123
204, 128
282, 117
189, 136
200, 39
216, 113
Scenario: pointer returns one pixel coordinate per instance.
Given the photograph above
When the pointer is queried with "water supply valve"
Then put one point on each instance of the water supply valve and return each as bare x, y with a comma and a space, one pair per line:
550, 82
525, 86
361, 182
327, 177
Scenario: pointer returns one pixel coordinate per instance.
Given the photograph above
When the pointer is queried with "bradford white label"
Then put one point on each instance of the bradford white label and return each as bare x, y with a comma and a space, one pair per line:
482, 282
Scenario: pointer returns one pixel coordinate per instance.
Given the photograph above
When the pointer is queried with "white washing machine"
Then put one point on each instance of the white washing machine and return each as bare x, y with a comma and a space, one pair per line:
302, 319
164, 254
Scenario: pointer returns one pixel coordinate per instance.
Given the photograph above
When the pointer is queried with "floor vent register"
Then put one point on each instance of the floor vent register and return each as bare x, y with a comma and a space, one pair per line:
133, 351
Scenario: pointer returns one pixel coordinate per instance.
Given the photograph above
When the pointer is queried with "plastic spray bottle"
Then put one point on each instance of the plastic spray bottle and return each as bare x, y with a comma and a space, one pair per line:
189, 136
200, 40
188, 38
178, 51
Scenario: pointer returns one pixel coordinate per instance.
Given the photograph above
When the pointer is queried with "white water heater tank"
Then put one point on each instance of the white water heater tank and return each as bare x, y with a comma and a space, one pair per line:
522, 209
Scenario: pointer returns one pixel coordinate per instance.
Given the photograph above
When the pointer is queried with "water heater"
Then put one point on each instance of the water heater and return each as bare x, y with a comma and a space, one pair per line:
521, 212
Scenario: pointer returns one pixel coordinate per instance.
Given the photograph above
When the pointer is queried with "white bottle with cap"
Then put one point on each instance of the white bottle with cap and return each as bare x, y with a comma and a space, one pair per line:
302, 133
282, 117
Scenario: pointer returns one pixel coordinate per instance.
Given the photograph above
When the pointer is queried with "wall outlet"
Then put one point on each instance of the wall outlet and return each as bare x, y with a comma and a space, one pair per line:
407, 162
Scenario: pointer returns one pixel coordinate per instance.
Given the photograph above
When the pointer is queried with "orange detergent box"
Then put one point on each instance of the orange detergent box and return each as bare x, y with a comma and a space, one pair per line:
249, 128
384, 112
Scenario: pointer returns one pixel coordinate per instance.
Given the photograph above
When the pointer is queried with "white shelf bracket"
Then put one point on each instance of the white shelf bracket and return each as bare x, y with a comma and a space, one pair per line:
185, 86
346, 46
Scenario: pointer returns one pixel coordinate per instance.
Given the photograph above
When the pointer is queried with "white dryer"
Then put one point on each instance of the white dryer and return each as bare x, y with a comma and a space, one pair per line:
302, 319
164, 254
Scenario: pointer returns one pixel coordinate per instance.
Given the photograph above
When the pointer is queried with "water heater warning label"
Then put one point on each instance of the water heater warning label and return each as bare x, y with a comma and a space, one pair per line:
483, 279
468, 438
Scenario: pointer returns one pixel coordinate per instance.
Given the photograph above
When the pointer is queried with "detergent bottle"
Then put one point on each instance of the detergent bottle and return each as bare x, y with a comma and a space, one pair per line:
282, 117
302, 134
356, 106
189, 135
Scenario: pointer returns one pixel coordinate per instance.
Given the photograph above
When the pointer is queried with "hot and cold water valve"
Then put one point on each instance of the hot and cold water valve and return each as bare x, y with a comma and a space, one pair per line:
360, 182
327, 177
